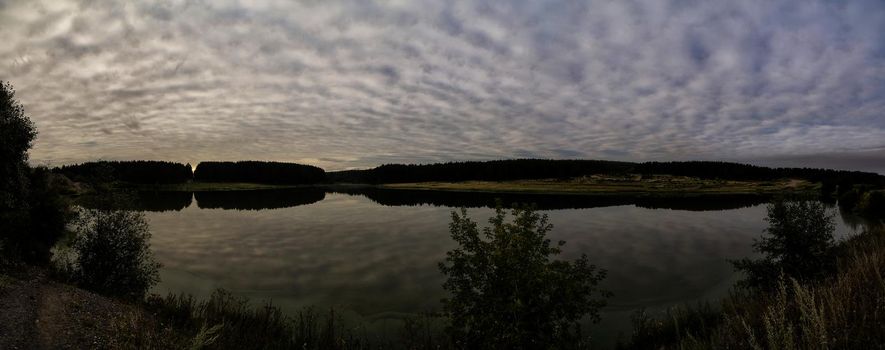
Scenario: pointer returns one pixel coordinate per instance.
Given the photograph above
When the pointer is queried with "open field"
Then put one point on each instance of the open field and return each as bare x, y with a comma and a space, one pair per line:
635, 185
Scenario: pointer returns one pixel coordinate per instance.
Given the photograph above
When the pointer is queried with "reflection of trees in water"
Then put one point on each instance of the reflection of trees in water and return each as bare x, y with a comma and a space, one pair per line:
160, 201
396, 197
858, 222
704, 203
163, 201
154, 201
259, 199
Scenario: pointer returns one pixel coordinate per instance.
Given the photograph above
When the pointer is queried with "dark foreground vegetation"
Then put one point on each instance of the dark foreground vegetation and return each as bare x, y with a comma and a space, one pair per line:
805, 292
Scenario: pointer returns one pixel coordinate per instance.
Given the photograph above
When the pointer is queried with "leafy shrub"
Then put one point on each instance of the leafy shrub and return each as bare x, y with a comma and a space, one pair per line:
798, 243
112, 253
507, 293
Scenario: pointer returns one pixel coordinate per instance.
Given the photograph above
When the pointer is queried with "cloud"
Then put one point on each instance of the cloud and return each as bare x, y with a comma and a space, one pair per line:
357, 83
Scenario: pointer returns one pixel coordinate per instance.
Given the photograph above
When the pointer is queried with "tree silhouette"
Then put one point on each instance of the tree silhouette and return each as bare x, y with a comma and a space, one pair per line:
17, 132
797, 243
259, 172
133, 171
507, 292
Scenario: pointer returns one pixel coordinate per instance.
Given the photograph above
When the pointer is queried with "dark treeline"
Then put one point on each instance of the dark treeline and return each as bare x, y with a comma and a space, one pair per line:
737, 171
518, 169
134, 171
397, 197
496, 170
259, 172
158, 172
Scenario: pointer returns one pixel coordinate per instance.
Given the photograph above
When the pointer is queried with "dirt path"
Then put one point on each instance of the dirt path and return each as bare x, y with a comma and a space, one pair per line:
37, 313
18, 313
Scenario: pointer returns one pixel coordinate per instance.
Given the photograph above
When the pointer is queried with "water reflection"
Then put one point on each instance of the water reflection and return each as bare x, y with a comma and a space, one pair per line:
374, 253
162, 201
259, 199
159, 201
398, 197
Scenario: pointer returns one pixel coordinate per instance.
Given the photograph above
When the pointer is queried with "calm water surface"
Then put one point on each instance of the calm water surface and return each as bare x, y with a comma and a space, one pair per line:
373, 254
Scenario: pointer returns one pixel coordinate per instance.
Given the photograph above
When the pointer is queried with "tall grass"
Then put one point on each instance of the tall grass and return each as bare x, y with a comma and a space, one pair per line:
224, 321
843, 311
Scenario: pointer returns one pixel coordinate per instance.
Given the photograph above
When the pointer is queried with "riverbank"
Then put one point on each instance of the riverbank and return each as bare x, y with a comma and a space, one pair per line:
657, 185
842, 311
39, 312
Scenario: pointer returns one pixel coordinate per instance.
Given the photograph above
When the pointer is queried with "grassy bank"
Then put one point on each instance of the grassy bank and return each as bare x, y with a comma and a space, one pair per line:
843, 311
620, 185
36, 311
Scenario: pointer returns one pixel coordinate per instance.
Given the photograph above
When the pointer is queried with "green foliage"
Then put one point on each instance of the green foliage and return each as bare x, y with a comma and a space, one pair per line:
507, 293
112, 253
16, 134
33, 214
30, 230
798, 243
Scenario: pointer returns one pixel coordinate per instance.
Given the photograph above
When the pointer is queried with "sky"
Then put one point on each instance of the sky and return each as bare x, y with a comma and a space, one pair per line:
356, 84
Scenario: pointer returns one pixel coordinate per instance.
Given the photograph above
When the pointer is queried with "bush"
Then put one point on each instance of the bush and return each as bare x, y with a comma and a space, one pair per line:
506, 292
112, 253
798, 243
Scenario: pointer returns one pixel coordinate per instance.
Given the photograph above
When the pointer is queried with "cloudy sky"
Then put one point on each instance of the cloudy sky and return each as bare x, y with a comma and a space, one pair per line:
356, 84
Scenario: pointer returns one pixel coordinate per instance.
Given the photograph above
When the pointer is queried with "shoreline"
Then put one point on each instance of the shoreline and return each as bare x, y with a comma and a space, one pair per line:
660, 186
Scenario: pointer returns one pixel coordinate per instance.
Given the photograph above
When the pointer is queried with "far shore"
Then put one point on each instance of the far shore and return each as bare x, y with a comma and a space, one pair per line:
652, 186
658, 185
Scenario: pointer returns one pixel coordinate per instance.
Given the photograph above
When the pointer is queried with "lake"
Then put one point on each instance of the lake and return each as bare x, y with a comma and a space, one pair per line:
372, 254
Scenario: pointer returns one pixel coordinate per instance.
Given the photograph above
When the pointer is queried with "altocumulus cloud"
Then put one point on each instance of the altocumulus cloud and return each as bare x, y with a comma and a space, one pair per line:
355, 84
